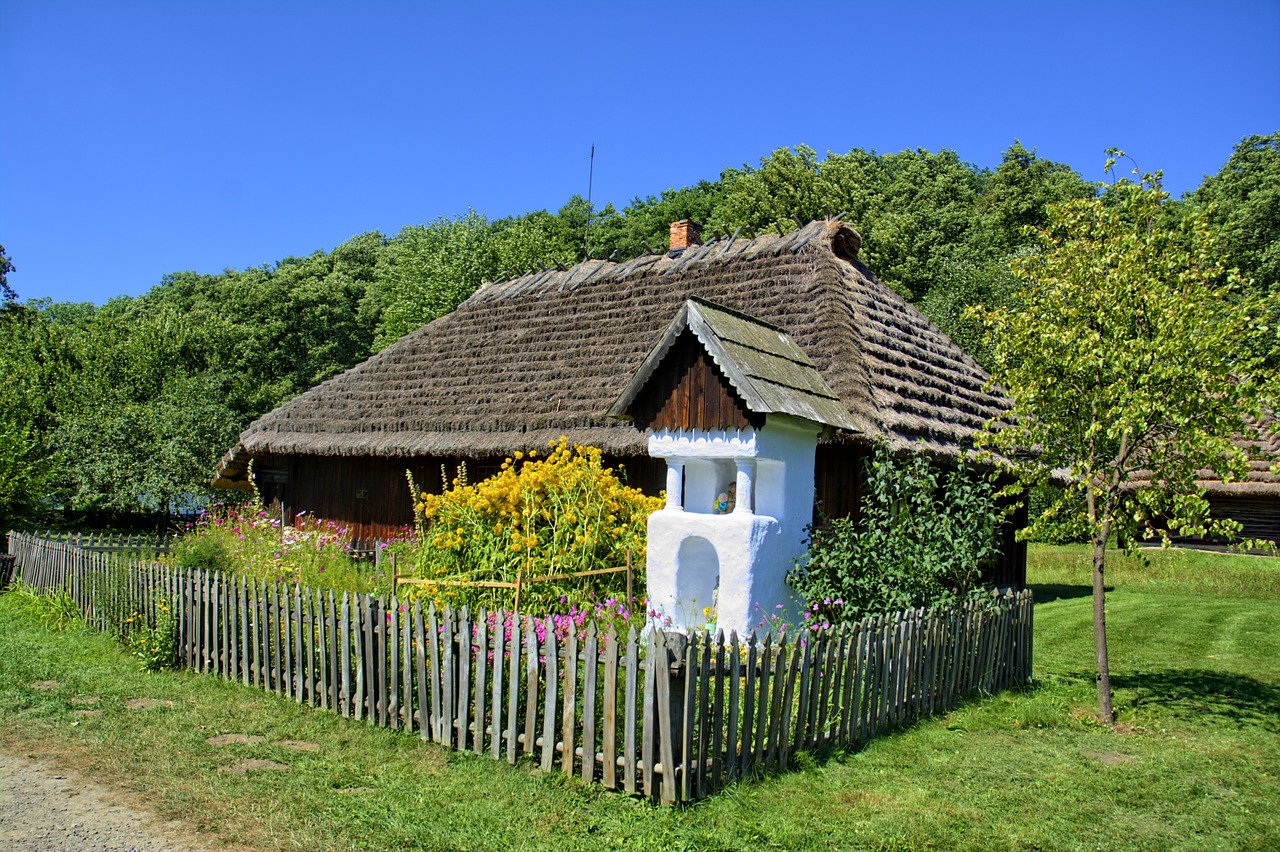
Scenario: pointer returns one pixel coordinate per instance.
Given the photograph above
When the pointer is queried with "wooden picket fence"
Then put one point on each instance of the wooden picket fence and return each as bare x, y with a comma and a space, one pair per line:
139, 543
662, 715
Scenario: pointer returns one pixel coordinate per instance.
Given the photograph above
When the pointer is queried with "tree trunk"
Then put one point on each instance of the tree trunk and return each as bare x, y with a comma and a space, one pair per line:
1105, 712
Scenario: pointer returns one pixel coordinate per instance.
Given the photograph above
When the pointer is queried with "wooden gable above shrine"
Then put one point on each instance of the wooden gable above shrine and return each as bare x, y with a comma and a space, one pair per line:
714, 368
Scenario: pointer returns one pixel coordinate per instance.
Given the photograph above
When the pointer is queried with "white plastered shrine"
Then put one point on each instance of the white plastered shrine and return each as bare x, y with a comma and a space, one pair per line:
728, 568
738, 498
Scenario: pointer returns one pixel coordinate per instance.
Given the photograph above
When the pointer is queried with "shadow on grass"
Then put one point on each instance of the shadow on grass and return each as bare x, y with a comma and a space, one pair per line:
1049, 592
1194, 693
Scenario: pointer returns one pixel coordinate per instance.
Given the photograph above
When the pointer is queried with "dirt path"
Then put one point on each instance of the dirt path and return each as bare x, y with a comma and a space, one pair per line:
44, 809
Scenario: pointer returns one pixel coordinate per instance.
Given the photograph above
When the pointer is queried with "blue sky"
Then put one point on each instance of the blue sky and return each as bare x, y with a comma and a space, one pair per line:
147, 138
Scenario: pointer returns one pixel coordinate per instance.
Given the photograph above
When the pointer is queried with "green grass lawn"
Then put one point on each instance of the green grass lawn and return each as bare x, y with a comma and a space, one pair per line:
1194, 762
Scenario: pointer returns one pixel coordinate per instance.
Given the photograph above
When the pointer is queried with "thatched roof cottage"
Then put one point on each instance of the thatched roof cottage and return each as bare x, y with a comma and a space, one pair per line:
524, 361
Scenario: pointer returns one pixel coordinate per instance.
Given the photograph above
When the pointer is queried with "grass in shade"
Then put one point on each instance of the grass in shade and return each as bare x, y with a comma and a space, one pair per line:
1192, 764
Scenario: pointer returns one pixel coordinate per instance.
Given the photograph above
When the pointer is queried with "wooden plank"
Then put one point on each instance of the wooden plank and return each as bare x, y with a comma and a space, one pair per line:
629, 713
437, 725
449, 679
378, 674
268, 643
760, 749
649, 734
286, 640
344, 648
332, 651
236, 635
666, 733
773, 754
307, 646
279, 639
808, 640
217, 634
829, 705
876, 677
551, 653
320, 636
687, 787
902, 671
568, 727
252, 651
793, 669
703, 682
406, 667
463, 710
426, 719
231, 639
481, 671
362, 646
496, 695
590, 664
206, 602
951, 661
927, 647
718, 676
887, 669
852, 691
746, 747
513, 688
261, 648
188, 618
531, 687
609, 773
735, 697
394, 668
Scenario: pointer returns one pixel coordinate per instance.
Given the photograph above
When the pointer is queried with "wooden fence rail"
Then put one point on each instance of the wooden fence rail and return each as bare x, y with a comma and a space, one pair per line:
662, 715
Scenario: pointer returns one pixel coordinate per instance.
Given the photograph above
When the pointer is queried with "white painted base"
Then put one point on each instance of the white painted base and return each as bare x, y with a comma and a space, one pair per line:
736, 564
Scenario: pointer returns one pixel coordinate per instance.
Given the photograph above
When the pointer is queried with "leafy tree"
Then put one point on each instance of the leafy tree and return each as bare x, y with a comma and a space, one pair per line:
785, 185
6, 266
1243, 199
960, 285
1017, 196
1122, 353
145, 424
917, 210
921, 539
36, 360
427, 271
645, 223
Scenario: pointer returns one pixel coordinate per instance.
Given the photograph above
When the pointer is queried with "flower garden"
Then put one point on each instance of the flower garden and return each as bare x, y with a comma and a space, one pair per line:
541, 515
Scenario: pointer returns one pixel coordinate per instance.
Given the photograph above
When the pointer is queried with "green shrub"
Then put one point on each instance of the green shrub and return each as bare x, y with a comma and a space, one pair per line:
202, 552
549, 516
156, 646
923, 538
55, 609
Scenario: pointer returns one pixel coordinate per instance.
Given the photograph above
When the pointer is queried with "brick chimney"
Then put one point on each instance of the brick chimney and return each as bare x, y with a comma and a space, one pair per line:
685, 233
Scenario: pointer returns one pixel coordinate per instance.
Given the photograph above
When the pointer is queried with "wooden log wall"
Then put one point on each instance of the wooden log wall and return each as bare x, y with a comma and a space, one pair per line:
666, 716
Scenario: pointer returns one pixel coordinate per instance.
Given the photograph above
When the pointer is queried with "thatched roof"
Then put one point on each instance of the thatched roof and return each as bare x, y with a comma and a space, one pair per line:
522, 362
1264, 451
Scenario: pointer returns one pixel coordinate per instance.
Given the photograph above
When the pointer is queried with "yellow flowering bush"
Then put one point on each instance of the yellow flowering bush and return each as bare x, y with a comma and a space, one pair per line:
560, 514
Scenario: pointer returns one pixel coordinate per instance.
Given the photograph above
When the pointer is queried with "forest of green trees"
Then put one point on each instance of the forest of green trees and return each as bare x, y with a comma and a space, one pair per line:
126, 407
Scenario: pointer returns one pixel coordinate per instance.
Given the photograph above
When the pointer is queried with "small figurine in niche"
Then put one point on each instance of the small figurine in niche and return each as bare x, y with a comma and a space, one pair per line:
726, 500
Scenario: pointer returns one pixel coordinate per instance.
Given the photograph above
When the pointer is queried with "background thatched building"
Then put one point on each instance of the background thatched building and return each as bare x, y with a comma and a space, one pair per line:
1254, 501
524, 361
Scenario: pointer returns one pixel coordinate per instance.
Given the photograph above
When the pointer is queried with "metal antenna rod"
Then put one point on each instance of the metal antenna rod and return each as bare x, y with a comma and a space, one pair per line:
586, 235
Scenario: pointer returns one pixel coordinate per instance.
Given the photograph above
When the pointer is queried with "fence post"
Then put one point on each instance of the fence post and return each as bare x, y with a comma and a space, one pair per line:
671, 676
